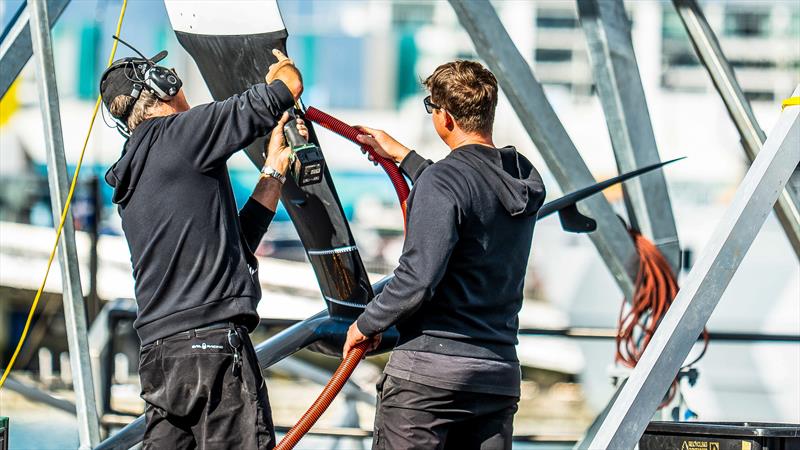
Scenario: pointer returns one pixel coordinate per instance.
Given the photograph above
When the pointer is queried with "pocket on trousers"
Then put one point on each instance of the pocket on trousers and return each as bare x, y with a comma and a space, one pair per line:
379, 384
147, 355
377, 428
151, 376
252, 379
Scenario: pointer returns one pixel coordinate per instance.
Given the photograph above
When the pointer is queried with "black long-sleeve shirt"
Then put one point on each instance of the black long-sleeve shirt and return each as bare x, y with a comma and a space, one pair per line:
191, 251
458, 287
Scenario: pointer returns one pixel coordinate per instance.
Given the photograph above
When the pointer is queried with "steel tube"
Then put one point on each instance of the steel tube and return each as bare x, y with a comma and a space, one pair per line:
629, 414
74, 305
707, 47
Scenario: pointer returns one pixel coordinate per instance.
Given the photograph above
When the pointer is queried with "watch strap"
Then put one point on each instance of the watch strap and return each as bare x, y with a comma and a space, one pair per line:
268, 171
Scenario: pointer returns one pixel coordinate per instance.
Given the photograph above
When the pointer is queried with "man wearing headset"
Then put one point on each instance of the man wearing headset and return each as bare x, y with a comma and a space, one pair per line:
191, 250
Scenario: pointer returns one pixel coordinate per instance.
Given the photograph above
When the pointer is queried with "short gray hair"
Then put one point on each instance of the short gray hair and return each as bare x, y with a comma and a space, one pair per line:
139, 112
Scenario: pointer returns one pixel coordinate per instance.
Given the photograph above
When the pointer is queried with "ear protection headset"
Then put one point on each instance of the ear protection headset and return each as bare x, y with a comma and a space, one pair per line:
145, 74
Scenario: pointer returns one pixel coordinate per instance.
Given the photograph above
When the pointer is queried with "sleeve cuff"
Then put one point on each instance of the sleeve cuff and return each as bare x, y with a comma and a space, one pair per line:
284, 95
365, 327
252, 208
413, 165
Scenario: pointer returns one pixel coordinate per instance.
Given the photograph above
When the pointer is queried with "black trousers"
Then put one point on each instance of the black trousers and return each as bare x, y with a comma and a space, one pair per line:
203, 389
415, 416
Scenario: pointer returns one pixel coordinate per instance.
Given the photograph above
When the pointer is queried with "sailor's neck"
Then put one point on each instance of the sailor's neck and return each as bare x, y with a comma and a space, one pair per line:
471, 139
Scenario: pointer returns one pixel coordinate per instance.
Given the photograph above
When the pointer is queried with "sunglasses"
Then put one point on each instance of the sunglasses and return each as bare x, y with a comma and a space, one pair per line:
430, 106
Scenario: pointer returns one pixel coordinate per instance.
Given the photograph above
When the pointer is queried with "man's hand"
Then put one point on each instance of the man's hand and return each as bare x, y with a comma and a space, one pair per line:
278, 152
286, 71
382, 143
354, 337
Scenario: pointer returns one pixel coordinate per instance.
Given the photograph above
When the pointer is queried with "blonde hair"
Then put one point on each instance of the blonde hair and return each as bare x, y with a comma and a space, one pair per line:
121, 105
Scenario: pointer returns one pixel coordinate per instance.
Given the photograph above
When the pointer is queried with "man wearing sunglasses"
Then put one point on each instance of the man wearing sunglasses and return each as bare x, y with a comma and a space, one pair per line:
453, 381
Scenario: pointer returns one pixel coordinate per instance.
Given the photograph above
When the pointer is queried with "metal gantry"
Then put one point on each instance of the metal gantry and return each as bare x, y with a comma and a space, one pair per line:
707, 47
619, 87
526, 95
74, 306
614, 65
631, 410
15, 44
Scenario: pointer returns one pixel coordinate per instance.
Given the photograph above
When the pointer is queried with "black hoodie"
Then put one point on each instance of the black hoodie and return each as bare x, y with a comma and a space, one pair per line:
458, 287
192, 254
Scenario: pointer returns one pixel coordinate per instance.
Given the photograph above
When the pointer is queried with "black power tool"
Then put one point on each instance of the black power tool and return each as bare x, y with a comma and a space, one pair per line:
307, 164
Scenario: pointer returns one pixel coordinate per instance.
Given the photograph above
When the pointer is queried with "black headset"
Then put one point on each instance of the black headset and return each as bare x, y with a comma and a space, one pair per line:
164, 83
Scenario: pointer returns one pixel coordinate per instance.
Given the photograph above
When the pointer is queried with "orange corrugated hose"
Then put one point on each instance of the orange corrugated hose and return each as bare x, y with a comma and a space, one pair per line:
349, 363
351, 133
656, 287
326, 397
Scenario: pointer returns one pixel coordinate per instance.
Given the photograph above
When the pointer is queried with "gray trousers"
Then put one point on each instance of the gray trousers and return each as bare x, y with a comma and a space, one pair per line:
415, 416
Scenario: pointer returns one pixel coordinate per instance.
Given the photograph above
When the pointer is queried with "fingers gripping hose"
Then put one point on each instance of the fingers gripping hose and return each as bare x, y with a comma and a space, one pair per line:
351, 133
325, 398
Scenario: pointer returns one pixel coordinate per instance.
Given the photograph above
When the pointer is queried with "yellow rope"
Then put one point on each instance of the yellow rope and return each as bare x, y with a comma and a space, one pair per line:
791, 101
63, 213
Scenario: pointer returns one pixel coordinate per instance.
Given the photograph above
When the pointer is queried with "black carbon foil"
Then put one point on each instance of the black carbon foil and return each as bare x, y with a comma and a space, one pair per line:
230, 64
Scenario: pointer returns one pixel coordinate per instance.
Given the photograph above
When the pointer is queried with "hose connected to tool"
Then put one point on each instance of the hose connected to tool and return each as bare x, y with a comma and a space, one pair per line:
326, 397
351, 133
355, 355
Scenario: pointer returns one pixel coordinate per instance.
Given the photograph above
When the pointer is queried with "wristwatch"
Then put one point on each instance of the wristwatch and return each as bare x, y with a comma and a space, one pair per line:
268, 172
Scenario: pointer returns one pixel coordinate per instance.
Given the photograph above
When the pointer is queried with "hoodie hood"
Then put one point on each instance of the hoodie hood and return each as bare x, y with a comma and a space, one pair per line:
124, 174
512, 178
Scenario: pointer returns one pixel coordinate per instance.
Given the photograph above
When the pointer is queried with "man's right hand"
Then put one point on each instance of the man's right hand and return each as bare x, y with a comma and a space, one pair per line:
382, 143
286, 71
278, 153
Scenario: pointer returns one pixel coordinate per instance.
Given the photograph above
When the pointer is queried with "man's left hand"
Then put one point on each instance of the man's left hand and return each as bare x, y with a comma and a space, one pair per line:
355, 337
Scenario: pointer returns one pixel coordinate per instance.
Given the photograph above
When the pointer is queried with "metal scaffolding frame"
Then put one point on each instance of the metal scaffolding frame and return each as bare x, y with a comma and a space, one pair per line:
635, 403
74, 306
614, 65
15, 43
707, 47
619, 87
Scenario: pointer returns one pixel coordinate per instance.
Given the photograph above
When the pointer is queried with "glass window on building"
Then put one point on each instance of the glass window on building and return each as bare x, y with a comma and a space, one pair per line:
552, 55
793, 28
412, 14
746, 23
556, 18
671, 24
683, 59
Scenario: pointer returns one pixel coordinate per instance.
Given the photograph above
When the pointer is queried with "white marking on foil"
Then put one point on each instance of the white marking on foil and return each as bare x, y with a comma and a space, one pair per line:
225, 17
345, 303
333, 251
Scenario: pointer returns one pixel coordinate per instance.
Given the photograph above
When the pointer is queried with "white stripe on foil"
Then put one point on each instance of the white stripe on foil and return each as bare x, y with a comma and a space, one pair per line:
345, 303
225, 17
333, 251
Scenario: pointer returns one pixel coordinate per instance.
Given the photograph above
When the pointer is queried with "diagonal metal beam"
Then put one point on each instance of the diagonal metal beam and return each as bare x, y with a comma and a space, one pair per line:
707, 47
619, 86
631, 410
526, 95
39, 395
74, 306
15, 45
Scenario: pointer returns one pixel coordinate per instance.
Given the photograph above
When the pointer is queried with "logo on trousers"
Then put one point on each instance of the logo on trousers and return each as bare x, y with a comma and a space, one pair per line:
205, 346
